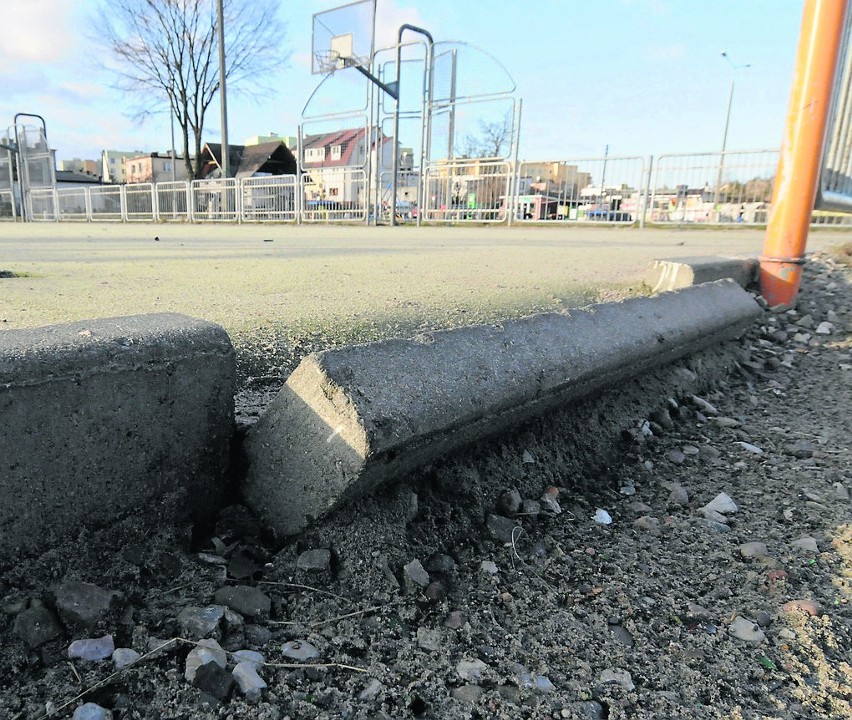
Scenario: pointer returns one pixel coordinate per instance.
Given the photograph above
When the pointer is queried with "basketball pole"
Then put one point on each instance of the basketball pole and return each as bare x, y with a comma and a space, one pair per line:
801, 155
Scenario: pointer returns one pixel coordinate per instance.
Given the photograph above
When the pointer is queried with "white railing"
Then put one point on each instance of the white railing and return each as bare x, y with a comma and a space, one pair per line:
467, 191
8, 206
215, 200
698, 188
273, 198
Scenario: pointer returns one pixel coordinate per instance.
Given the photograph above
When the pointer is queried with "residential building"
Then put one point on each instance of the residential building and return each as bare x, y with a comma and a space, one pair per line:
333, 165
112, 164
291, 141
270, 158
87, 167
154, 168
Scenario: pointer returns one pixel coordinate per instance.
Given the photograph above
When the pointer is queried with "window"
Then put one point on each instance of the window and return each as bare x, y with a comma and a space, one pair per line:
167, 166
335, 152
112, 160
315, 154
333, 191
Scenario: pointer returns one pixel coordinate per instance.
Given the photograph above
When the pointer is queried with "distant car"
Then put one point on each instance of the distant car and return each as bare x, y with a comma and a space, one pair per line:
609, 216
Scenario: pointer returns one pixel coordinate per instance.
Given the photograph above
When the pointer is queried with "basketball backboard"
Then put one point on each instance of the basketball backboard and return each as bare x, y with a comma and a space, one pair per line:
343, 37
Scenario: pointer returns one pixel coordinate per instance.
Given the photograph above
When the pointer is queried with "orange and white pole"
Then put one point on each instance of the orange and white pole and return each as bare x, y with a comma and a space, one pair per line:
801, 150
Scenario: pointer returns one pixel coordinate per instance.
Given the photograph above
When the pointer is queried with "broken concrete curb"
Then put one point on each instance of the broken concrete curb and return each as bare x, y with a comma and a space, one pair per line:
102, 417
672, 274
351, 419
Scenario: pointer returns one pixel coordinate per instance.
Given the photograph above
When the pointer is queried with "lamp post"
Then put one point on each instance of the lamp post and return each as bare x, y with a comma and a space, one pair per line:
734, 68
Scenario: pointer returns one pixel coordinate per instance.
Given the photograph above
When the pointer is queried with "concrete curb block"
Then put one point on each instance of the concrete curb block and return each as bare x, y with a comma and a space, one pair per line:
102, 417
348, 420
672, 274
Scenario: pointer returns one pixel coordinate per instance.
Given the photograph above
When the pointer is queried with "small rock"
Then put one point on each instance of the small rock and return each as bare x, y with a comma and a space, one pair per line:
725, 422
663, 418
206, 651
824, 328
690, 450
299, 651
527, 458
318, 560
753, 550
704, 406
509, 502
808, 607
806, 321
92, 649
249, 656
123, 657
197, 622
435, 590
748, 447
841, 492
454, 620
542, 684
807, 543
587, 710
617, 676
550, 502
36, 626
746, 630
372, 690
91, 711
471, 670
530, 507
713, 515
244, 599
416, 573
622, 634
83, 604
257, 635
648, 524
800, 449
248, 681
717, 526
467, 694
212, 678
678, 495
722, 503
639, 507
443, 564
676, 456
489, 566
602, 517
430, 639
501, 528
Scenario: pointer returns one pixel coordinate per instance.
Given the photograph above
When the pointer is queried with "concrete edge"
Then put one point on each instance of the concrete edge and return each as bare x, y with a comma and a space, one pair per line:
352, 419
105, 418
667, 274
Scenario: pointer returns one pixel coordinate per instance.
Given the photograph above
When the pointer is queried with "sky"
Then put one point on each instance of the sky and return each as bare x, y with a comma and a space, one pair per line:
641, 77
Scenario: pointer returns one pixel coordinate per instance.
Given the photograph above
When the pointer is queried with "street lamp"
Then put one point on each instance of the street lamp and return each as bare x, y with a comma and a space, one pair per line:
734, 68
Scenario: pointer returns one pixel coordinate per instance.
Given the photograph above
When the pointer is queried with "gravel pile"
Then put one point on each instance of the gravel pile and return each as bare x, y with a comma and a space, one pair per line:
703, 571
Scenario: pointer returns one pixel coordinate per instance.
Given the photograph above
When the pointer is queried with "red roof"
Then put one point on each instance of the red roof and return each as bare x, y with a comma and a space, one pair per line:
351, 137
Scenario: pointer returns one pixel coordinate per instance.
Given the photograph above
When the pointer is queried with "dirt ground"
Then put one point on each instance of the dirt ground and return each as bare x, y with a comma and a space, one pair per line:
571, 570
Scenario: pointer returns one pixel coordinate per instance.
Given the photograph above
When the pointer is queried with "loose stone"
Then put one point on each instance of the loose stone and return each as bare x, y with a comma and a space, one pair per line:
36, 626
214, 679
471, 670
314, 560
299, 651
722, 503
92, 649
746, 630
509, 502
123, 657
244, 599
248, 681
807, 543
416, 573
617, 676
197, 623
501, 528
467, 694
206, 651
808, 607
83, 604
753, 550
91, 711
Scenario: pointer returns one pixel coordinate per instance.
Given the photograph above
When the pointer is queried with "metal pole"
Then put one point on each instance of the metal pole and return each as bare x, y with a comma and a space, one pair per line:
395, 169
801, 150
718, 193
223, 95
174, 154
647, 194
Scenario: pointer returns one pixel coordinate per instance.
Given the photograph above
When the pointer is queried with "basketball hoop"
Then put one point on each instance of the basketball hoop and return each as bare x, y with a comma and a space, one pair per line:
328, 61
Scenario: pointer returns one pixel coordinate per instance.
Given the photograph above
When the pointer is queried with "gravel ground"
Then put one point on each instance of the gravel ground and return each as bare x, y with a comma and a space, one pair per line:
696, 564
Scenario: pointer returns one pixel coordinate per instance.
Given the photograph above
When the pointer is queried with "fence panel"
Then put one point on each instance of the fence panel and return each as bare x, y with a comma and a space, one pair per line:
72, 203
271, 198
106, 203
407, 195
173, 201
603, 189
467, 191
215, 200
139, 202
43, 205
713, 188
337, 194
8, 206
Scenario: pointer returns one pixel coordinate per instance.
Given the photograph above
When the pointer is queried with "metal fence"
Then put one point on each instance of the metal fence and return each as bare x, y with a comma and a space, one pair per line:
699, 188
8, 205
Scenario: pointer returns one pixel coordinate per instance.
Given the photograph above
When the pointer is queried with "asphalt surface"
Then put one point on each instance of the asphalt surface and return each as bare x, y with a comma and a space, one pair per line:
312, 278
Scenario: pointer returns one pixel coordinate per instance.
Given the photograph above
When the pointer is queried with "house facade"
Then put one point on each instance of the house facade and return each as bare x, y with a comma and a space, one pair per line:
112, 164
153, 168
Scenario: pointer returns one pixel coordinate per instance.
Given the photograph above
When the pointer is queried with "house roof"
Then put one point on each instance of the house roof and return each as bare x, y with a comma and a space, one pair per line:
78, 178
347, 139
274, 158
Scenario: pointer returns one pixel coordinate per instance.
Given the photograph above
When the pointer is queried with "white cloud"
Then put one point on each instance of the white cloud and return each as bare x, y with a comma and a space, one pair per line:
36, 31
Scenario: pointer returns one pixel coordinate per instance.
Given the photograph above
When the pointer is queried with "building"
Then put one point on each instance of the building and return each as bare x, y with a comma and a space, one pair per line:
291, 141
333, 165
112, 164
153, 168
269, 158
87, 167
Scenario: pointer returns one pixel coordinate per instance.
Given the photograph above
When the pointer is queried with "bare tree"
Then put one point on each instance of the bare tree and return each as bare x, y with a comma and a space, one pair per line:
492, 141
167, 51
